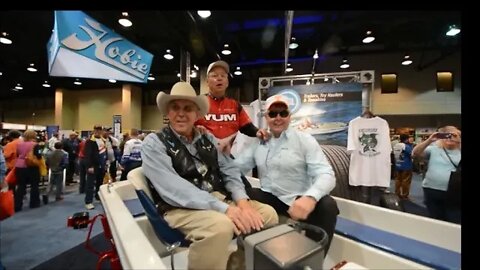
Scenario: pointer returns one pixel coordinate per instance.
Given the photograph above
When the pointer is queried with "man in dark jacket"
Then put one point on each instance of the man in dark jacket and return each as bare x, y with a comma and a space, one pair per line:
95, 160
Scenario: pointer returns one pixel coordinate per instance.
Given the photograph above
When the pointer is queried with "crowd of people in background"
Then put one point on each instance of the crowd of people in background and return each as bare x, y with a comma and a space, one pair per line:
61, 159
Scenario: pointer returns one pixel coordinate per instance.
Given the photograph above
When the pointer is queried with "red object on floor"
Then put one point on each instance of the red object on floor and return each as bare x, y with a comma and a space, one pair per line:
108, 254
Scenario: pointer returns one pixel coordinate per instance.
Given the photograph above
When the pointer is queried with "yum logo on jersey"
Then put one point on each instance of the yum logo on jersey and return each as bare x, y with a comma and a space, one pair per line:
221, 117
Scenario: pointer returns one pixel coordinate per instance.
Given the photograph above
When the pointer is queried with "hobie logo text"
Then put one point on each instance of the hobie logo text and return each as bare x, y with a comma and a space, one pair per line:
129, 60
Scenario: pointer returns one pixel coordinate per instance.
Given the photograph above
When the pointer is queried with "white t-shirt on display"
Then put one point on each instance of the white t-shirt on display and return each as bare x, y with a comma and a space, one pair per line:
369, 147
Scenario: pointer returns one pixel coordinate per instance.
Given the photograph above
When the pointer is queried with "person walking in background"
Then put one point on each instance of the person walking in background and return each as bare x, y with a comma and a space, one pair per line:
57, 160
295, 176
226, 116
10, 151
70, 146
132, 157
27, 174
95, 161
442, 149
403, 166
3, 185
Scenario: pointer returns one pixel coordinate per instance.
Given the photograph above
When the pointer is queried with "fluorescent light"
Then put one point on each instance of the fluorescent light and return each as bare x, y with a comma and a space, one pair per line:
168, 55
226, 50
112, 81
46, 85
204, 13
4, 39
77, 82
18, 87
453, 31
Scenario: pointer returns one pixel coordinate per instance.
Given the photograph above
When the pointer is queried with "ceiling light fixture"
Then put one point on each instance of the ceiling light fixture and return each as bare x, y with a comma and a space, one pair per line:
1, 73
4, 39
31, 68
369, 38
344, 64
453, 30
168, 55
178, 74
226, 50
406, 60
150, 77
204, 13
289, 68
238, 72
196, 67
77, 82
46, 84
293, 44
193, 74
18, 87
112, 81
315, 56
124, 21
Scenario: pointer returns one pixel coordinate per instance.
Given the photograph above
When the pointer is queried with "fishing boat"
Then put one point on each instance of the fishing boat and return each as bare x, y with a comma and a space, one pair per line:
366, 237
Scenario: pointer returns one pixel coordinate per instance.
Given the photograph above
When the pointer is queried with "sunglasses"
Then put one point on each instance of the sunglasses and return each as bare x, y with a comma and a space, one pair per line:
283, 114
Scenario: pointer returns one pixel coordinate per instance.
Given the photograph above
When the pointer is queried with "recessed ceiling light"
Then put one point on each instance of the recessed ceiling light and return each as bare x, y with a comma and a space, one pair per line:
18, 86
1, 73
168, 55
46, 84
369, 38
204, 13
406, 60
31, 68
124, 21
226, 50
293, 44
238, 72
193, 74
178, 75
4, 39
344, 64
289, 68
453, 31
112, 81
150, 77
77, 82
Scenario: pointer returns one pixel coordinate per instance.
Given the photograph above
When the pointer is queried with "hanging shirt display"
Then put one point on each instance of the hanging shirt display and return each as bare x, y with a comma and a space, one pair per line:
369, 147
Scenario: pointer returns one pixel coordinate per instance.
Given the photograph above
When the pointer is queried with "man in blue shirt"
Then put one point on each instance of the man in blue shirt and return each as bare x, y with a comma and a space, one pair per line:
294, 174
200, 189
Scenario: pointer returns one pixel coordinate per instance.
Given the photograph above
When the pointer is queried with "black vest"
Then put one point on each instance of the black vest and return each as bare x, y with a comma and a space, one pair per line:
184, 164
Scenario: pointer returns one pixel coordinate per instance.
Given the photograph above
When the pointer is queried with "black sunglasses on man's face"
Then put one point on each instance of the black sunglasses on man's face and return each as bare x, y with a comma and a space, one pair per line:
283, 114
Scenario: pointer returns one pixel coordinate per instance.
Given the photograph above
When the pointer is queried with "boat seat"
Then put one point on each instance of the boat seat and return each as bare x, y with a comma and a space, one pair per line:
411, 249
167, 235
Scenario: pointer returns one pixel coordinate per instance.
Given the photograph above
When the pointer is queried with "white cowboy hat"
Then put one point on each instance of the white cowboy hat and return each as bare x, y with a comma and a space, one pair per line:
182, 90
219, 63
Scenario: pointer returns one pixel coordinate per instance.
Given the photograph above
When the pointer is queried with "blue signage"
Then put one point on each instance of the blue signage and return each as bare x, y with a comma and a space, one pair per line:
78, 33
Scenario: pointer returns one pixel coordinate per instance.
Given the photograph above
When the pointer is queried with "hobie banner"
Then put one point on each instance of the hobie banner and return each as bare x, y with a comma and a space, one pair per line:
82, 47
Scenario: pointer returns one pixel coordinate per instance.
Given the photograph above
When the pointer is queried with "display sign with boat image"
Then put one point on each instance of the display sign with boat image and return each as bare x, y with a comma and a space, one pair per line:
323, 110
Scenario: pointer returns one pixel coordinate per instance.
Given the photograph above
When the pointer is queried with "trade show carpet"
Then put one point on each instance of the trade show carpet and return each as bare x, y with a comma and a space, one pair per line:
78, 257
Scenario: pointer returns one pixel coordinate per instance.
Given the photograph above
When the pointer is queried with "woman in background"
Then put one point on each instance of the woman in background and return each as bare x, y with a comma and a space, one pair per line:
442, 149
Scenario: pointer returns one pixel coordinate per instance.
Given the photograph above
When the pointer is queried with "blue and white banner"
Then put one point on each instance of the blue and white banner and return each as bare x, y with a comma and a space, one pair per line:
82, 47
323, 110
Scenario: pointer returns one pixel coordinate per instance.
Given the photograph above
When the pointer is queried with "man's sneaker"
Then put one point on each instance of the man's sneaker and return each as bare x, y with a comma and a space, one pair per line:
89, 206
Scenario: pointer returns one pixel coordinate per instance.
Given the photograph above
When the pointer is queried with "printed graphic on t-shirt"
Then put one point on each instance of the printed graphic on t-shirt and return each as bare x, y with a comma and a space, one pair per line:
368, 141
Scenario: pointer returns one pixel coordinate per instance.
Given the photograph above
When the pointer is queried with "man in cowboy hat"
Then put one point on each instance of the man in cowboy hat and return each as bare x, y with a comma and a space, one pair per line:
201, 192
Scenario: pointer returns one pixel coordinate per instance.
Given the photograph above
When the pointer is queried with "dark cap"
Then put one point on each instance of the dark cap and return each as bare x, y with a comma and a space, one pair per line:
97, 127
107, 128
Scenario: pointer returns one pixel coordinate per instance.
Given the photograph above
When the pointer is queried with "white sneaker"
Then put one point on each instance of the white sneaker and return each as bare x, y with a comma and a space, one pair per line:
89, 206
